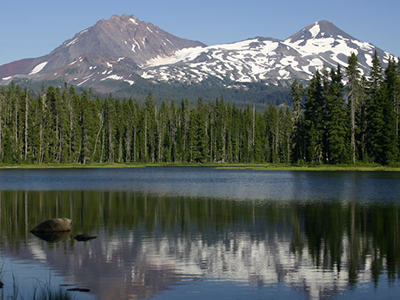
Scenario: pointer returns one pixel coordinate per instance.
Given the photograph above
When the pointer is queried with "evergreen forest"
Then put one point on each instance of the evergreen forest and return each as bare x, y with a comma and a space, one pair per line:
339, 117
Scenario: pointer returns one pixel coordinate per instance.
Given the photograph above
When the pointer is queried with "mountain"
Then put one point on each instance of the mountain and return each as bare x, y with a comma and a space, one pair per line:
266, 59
101, 52
124, 53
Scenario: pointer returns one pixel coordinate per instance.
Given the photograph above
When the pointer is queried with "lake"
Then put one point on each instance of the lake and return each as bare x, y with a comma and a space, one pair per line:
202, 233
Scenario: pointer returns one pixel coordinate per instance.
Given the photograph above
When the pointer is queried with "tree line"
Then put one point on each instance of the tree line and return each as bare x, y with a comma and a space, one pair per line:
358, 121
328, 122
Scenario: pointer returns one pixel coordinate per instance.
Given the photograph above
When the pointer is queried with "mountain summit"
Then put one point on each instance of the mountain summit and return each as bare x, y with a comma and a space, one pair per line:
318, 30
265, 59
106, 44
126, 37
113, 54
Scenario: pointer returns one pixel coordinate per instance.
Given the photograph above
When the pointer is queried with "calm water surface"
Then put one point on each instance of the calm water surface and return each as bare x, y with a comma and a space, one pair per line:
202, 233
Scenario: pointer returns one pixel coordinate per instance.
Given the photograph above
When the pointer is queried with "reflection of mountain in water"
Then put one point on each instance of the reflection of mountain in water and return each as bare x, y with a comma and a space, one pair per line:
146, 244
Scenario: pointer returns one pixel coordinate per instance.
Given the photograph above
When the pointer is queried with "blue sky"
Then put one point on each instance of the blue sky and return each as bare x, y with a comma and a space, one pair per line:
35, 28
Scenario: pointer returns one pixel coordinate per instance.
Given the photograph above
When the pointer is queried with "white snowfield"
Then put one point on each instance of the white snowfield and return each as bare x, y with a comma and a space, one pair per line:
267, 60
262, 59
38, 68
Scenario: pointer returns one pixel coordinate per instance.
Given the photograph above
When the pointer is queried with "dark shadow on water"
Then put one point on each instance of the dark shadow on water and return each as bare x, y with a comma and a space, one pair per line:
53, 237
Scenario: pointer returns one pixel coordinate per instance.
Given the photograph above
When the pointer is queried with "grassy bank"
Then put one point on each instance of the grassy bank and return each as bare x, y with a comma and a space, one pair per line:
287, 167
324, 168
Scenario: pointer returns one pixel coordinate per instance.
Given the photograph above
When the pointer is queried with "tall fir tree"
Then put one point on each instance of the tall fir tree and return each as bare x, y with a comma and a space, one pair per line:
389, 138
336, 122
313, 119
354, 96
375, 112
298, 151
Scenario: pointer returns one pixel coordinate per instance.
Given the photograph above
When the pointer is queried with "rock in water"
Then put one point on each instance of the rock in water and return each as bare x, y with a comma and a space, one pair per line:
84, 237
57, 224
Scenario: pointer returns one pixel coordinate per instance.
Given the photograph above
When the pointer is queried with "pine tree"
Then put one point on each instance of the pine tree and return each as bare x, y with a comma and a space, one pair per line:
336, 121
313, 119
150, 129
375, 112
110, 118
354, 87
297, 92
127, 112
389, 138
362, 122
26, 115
397, 100
87, 125
2, 102
287, 127
220, 130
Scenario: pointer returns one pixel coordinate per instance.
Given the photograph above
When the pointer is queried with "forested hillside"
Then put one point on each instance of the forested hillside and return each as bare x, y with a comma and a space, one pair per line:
328, 122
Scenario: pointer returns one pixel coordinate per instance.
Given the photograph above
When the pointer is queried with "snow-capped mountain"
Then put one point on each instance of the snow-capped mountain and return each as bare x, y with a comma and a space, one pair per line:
122, 49
111, 49
266, 59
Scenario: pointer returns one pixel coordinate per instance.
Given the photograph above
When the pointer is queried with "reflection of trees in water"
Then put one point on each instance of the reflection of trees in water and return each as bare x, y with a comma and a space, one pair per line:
261, 241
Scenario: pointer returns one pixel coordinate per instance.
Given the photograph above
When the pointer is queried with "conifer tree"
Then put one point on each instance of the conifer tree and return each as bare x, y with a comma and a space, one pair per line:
313, 119
297, 92
127, 111
184, 130
110, 127
87, 125
354, 95
150, 128
26, 124
397, 99
336, 121
389, 138
375, 112
2, 101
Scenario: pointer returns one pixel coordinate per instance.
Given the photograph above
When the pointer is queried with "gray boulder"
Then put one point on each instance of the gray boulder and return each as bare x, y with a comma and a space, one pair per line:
57, 224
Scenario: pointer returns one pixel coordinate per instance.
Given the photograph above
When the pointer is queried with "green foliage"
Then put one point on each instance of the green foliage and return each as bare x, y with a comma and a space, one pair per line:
366, 124
326, 123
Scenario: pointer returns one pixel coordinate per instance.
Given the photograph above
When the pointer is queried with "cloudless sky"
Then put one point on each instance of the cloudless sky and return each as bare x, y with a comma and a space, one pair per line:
35, 28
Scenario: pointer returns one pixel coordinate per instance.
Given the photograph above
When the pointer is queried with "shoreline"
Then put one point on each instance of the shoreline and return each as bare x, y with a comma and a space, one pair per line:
219, 166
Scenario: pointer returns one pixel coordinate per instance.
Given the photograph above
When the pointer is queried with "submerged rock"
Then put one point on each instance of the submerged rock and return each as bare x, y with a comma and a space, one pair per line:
84, 237
57, 224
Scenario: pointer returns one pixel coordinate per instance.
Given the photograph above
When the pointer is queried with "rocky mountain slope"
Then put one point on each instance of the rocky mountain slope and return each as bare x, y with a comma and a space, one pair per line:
122, 50
266, 59
101, 52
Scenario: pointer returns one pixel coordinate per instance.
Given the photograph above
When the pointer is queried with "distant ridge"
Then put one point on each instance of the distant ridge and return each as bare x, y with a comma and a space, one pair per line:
115, 54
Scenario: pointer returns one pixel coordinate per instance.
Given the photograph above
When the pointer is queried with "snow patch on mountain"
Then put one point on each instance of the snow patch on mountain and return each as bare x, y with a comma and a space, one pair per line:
71, 42
38, 68
186, 54
315, 30
131, 82
113, 77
